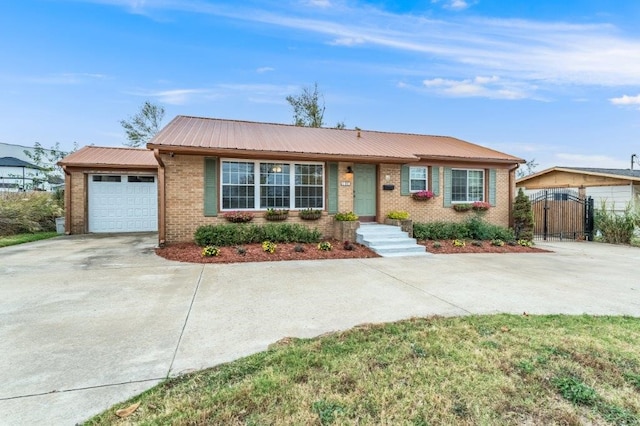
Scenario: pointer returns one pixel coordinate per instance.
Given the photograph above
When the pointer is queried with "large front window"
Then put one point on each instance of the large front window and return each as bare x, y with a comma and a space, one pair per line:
279, 185
467, 185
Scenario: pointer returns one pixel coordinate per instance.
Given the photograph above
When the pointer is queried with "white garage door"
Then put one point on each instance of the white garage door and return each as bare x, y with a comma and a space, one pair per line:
123, 203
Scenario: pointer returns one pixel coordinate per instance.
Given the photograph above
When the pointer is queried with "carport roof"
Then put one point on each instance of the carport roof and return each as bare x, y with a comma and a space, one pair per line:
127, 158
233, 137
627, 174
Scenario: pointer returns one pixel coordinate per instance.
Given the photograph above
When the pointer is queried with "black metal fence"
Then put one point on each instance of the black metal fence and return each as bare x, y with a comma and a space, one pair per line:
561, 214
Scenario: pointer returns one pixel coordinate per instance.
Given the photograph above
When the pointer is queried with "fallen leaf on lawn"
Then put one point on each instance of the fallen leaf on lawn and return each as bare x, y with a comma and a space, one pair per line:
504, 329
125, 412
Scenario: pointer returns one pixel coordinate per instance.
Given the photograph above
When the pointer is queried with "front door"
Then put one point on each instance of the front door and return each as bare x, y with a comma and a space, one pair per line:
364, 191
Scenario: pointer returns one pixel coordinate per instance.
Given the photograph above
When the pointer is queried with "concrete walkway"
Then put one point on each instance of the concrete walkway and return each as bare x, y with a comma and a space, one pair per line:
86, 322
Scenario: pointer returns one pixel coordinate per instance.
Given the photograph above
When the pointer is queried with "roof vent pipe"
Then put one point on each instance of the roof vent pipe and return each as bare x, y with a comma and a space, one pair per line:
633, 157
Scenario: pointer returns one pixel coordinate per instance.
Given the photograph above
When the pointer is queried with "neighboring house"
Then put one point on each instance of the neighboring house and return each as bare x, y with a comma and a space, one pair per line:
206, 167
19, 175
42, 182
615, 187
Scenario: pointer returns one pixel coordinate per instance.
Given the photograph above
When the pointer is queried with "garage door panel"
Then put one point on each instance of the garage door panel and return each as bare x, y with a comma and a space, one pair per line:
127, 205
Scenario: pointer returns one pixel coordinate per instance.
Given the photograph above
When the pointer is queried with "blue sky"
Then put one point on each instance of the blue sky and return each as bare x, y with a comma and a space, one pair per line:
558, 81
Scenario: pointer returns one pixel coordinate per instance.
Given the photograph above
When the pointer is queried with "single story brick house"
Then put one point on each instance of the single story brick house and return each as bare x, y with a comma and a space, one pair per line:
205, 167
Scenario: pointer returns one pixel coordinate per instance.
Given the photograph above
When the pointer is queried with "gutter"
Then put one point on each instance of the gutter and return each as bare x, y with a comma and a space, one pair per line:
67, 201
161, 200
512, 186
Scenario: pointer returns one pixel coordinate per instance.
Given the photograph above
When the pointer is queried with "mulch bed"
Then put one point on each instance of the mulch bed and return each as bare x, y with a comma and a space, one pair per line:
447, 247
189, 252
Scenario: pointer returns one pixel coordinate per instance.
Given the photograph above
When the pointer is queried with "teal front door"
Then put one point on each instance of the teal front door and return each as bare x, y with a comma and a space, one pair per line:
364, 191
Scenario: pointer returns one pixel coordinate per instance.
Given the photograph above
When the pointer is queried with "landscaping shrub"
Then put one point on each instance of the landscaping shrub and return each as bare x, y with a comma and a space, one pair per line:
615, 228
440, 231
478, 229
346, 217
269, 247
210, 251
27, 212
398, 215
473, 228
325, 246
238, 234
522, 217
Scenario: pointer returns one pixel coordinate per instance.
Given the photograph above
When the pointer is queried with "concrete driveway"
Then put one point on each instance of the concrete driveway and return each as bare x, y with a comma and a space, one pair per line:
88, 321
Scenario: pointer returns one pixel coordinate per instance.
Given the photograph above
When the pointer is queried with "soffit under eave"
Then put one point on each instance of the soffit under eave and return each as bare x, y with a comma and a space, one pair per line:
279, 155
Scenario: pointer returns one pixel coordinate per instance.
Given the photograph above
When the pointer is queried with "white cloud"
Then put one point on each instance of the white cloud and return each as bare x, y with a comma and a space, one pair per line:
264, 69
348, 41
456, 4
538, 52
626, 100
486, 87
257, 93
178, 96
453, 4
319, 3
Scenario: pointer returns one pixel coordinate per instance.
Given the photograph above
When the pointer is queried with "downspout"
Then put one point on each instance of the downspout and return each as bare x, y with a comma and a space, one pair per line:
67, 201
512, 188
161, 199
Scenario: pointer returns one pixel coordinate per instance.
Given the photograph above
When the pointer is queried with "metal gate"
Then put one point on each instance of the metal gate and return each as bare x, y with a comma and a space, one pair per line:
561, 214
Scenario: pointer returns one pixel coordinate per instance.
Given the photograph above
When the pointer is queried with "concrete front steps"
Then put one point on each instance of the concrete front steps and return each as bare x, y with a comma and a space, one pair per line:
388, 240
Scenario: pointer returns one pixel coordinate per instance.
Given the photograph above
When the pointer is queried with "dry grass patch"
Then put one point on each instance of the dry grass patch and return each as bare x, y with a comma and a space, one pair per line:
500, 369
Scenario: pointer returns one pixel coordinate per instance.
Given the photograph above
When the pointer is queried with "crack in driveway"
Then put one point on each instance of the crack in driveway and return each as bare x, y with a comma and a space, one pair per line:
186, 320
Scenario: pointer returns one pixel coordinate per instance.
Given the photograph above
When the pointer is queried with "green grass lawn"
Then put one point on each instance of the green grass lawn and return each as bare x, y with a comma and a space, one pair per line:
475, 370
12, 240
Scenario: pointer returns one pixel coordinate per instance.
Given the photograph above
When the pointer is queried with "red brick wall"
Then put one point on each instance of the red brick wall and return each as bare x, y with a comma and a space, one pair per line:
78, 203
184, 177
434, 210
184, 183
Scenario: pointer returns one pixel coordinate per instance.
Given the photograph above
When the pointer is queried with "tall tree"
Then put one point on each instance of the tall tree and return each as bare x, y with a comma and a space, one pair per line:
144, 125
308, 107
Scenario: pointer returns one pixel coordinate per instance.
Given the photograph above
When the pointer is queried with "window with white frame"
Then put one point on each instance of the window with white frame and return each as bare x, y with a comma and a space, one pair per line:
418, 179
238, 185
467, 185
279, 185
309, 186
275, 185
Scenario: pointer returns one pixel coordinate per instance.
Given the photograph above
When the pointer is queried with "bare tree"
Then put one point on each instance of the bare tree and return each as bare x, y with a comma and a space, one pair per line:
144, 125
308, 107
46, 159
529, 168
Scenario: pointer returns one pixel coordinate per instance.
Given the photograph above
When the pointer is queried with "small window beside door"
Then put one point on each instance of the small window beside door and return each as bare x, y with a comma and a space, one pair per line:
418, 179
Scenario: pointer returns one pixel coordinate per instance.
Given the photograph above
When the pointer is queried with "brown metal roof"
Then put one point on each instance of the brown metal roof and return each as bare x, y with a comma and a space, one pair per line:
128, 158
196, 134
